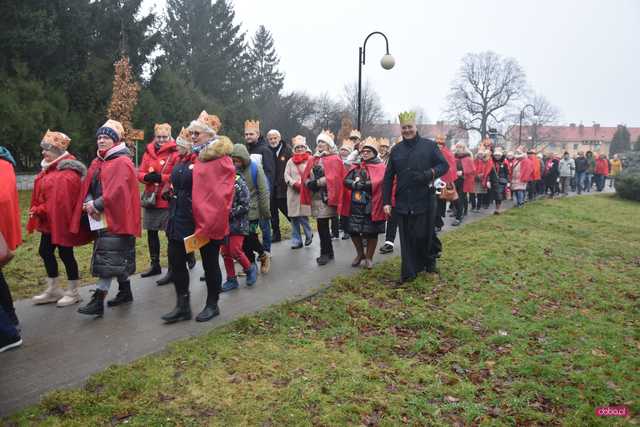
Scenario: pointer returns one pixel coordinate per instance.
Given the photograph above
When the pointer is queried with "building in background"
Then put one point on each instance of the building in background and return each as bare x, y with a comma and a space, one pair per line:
452, 132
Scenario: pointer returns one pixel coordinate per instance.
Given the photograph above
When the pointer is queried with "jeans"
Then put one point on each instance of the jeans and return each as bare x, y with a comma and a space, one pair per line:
580, 181
564, 184
519, 194
588, 182
265, 226
600, 180
7, 328
296, 223
104, 283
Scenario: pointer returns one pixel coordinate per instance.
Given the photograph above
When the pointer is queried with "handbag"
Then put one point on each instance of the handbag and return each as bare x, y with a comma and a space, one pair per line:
6, 255
148, 198
449, 193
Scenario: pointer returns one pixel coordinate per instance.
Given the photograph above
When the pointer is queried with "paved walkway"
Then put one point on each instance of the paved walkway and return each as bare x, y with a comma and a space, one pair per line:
63, 348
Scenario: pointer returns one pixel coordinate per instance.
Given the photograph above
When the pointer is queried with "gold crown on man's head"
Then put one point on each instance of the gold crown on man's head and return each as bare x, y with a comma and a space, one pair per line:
252, 125
355, 134
56, 139
407, 118
162, 129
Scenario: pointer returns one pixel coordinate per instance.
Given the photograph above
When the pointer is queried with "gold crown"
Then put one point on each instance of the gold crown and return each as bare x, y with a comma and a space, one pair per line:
162, 129
116, 126
347, 144
384, 142
184, 139
210, 120
298, 140
371, 142
355, 134
329, 134
407, 118
252, 125
56, 139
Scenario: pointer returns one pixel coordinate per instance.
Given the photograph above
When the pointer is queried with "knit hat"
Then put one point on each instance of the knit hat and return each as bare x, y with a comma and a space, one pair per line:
162, 129
371, 143
252, 126
298, 140
355, 134
184, 139
56, 140
206, 123
113, 129
327, 137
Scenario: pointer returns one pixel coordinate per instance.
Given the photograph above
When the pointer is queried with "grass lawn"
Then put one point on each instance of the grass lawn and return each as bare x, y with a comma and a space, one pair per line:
532, 321
25, 274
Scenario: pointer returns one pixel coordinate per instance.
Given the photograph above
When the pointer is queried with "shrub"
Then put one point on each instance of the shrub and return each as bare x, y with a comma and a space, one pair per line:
628, 184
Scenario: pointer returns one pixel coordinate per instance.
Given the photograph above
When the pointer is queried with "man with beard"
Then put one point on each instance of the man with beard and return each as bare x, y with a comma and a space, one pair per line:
414, 163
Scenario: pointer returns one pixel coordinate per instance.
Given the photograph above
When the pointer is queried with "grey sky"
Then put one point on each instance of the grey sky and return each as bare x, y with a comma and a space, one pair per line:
584, 56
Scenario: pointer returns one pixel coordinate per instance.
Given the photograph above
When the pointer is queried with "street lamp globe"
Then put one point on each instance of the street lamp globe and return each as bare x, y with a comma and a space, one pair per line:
387, 62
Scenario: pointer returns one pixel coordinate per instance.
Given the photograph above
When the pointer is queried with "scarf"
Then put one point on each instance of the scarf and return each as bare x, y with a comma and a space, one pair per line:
299, 158
103, 154
46, 165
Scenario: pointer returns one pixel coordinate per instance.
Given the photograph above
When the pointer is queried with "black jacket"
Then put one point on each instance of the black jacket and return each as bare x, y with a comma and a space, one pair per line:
280, 160
181, 223
415, 163
581, 164
261, 150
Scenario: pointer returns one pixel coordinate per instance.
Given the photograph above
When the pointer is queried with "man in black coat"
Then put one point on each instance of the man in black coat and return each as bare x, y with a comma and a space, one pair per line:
281, 155
414, 163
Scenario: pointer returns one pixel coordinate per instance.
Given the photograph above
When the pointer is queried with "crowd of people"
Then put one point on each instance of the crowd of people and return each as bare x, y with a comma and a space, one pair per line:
225, 200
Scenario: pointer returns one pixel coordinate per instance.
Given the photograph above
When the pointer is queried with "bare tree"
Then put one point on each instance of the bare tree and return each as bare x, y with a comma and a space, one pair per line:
536, 130
372, 111
421, 115
327, 114
485, 85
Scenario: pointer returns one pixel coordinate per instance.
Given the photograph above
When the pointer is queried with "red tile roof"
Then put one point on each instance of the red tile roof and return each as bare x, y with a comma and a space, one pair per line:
575, 133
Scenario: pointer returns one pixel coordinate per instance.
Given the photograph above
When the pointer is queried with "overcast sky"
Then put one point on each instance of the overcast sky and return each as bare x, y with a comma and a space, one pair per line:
584, 56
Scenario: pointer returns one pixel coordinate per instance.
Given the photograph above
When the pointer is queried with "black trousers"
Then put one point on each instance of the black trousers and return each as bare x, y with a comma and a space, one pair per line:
252, 245
462, 204
324, 231
47, 253
178, 265
210, 254
277, 205
337, 223
391, 228
6, 300
418, 242
154, 246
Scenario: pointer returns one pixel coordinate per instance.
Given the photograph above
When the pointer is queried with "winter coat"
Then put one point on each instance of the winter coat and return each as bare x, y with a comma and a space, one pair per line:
319, 207
591, 165
518, 182
551, 172
281, 155
259, 203
181, 223
567, 167
415, 164
292, 176
161, 161
239, 215
10, 217
362, 206
499, 178
581, 164
262, 154
114, 255
602, 167
51, 207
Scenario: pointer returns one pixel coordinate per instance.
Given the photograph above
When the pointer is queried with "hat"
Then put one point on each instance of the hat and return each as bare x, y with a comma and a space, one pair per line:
184, 139
327, 137
347, 145
440, 139
56, 140
531, 151
407, 118
207, 123
113, 129
371, 143
384, 142
498, 152
252, 126
355, 134
298, 140
162, 129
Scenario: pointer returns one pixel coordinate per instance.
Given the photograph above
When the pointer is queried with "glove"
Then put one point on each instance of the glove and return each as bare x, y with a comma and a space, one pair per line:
153, 177
297, 187
312, 185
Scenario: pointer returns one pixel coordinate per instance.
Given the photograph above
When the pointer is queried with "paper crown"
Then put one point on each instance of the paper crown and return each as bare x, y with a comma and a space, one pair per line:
252, 125
326, 136
163, 129
298, 140
407, 118
116, 126
347, 144
184, 139
371, 143
355, 134
211, 120
384, 142
56, 139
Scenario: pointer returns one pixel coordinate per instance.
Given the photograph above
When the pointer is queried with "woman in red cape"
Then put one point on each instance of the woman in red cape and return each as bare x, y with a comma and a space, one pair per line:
51, 214
9, 223
322, 190
465, 171
483, 165
521, 173
111, 200
362, 202
214, 178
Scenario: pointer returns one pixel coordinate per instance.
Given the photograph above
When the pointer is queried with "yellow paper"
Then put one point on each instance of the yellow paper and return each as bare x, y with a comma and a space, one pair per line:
193, 243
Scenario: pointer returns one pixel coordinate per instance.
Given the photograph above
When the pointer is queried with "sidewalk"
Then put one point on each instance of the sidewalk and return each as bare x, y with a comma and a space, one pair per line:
63, 348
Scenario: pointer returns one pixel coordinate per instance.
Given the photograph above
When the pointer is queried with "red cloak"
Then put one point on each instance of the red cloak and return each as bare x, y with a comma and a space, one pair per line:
536, 173
334, 172
483, 170
119, 192
213, 191
375, 172
452, 173
153, 161
9, 208
52, 206
469, 174
526, 169
602, 167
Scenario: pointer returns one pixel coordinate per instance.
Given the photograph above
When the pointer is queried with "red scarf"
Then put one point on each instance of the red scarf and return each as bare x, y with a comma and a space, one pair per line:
300, 157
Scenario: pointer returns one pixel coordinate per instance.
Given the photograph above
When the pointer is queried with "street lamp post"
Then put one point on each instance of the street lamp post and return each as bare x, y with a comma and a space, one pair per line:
521, 118
387, 62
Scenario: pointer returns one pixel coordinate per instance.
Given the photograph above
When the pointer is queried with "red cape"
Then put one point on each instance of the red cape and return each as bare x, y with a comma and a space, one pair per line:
602, 167
536, 173
50, 198
154, 162
376, 175
334, 171
10, 217
526, 169
213, 191
452, 173
483, 169
469, 174
119, 192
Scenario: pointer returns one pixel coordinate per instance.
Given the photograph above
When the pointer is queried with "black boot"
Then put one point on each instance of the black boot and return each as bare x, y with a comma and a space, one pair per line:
96, 305
191, 260
208, 312
166, 279
181, 312
124, 295
155, 268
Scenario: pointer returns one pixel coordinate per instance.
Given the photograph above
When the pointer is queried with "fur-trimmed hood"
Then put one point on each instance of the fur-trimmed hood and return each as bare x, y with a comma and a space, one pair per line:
219, 148
74, 165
